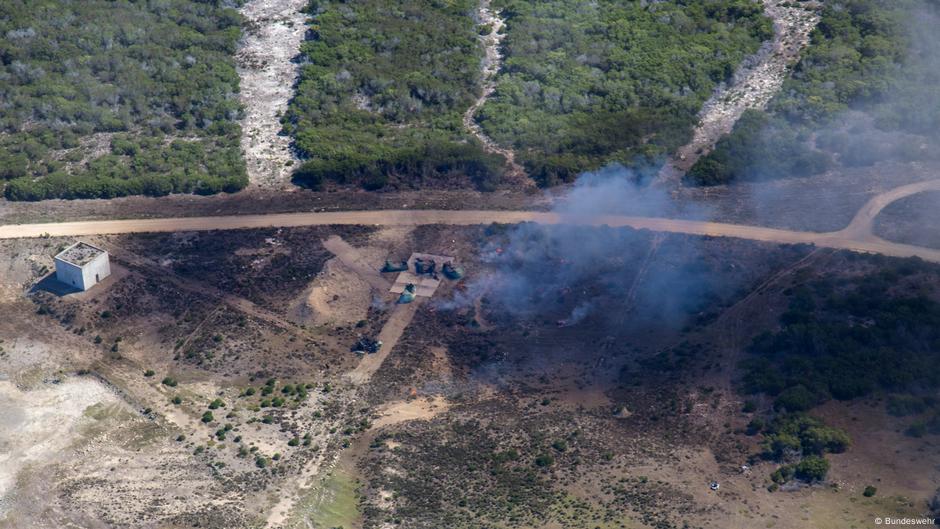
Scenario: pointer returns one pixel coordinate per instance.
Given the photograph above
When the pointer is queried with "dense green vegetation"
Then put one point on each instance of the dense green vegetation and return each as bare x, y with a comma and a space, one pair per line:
846, 341
801, 442
846, 338
587, 83
382, 93
862, 92
104, 98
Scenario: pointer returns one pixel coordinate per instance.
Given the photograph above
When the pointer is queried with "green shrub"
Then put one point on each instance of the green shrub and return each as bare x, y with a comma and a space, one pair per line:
905, 405
172, 75
544, 460
812, 468
380, 101
796, 398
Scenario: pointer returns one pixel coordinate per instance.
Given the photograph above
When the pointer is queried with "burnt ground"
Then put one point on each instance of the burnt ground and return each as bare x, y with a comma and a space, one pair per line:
215, 302
912, 220
602, 393
619, 420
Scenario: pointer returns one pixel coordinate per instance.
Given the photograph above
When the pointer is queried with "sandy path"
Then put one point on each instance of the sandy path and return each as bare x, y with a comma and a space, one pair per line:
274, 31
389, 335
351, 258
857, 236
754, 84
491, 65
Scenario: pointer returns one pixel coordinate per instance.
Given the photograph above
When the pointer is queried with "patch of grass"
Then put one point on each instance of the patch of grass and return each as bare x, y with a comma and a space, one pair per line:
335, 503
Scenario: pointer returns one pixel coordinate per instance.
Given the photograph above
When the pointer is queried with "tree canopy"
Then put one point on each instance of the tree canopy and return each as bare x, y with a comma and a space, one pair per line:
382, 92
862, 92
589, 83
103, 98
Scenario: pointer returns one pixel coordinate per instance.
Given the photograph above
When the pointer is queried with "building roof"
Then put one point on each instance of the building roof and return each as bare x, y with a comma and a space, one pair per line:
79, 254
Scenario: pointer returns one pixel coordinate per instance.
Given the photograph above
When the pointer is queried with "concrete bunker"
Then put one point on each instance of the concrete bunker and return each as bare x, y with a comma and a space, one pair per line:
82, 266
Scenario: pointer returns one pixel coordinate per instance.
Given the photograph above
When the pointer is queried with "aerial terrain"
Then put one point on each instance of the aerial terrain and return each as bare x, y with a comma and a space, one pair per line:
502, 264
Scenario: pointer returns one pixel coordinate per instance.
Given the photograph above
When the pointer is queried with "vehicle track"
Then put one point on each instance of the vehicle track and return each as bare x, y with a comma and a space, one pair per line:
856, 237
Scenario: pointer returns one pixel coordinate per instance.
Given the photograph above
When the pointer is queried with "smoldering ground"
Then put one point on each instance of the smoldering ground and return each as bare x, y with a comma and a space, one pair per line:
565, 274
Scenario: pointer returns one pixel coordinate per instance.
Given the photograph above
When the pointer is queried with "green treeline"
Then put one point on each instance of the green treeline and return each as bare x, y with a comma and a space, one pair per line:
848, 338
105, 98
382, 92
863, 91
588, 83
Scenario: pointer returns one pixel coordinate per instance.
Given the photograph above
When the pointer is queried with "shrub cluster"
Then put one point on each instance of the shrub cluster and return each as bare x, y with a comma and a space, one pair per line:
104, 98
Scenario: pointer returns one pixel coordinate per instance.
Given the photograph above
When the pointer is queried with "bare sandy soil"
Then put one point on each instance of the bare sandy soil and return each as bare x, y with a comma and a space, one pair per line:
410, 410
37, 424
274, 31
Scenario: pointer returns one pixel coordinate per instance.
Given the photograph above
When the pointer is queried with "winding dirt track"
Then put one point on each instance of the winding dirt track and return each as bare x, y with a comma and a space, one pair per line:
857, 236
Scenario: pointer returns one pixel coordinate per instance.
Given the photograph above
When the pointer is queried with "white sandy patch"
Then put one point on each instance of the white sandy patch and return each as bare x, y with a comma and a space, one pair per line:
274, 32
36, 425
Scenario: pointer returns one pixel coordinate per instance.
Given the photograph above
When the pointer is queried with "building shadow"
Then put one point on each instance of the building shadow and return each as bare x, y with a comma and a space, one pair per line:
54, 286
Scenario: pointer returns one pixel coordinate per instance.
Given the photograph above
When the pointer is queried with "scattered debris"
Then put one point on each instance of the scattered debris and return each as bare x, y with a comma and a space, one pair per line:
366, 345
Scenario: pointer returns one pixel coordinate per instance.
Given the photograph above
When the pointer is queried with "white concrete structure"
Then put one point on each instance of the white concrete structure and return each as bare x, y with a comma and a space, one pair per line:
82, 266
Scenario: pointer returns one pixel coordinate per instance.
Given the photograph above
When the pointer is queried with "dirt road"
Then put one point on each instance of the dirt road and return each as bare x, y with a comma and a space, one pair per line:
392, 331
857, 236
862, 224
351, 258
